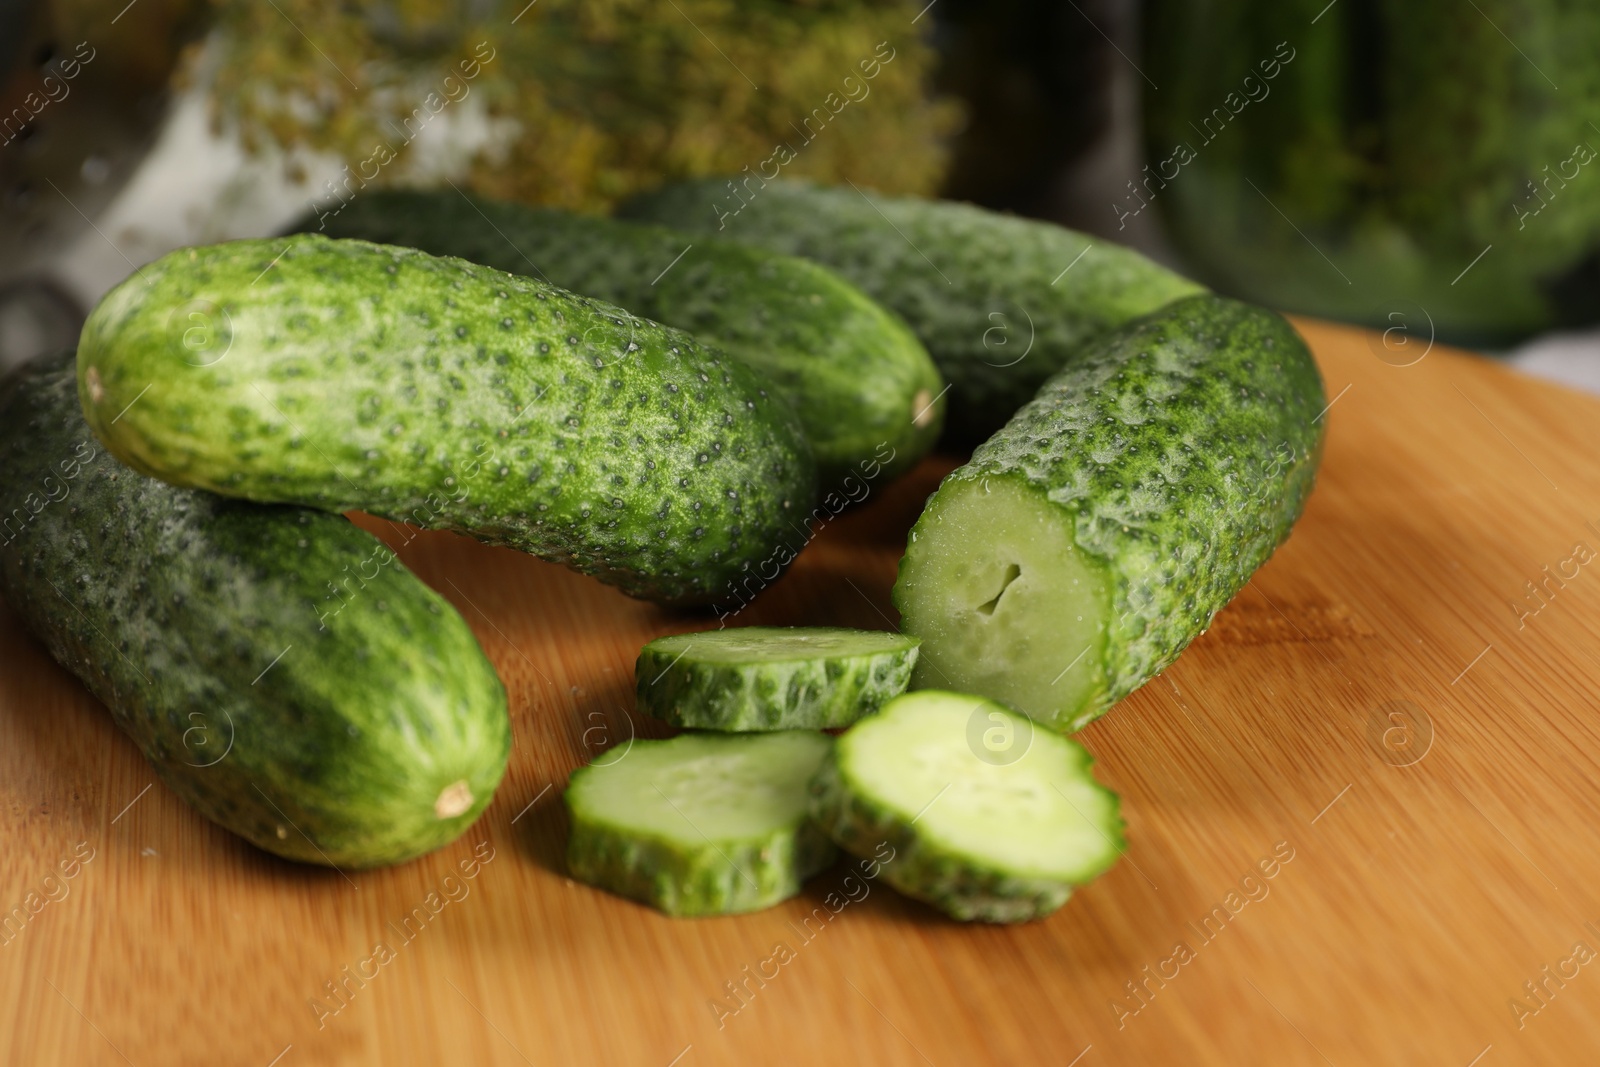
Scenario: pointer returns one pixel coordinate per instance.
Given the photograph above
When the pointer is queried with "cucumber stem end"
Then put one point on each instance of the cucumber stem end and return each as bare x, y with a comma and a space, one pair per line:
454, 799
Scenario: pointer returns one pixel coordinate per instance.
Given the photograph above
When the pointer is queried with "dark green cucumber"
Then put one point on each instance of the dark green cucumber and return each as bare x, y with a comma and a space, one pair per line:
320, 712
858, 378
772, 677
702, 824
1001, 302
1091, 539
343, 375
986, 818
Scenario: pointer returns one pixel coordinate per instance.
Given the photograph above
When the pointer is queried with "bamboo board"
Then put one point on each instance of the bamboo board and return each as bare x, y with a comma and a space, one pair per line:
1386, 721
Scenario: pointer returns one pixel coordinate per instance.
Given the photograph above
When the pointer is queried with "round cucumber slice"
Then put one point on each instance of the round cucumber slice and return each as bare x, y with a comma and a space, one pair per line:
701, 824
989, 817
773, 677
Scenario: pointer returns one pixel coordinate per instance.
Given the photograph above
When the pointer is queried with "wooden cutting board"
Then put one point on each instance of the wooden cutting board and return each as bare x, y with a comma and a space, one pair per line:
1364, 810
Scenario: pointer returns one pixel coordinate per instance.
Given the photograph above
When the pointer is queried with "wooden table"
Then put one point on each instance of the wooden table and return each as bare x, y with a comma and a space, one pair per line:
1388, 720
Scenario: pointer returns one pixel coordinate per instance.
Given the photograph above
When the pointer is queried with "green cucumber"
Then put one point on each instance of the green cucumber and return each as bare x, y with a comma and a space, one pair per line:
701, 824
319, 712
346, 375
860, 381
1001, 302
772, 677
981, 830
1090, 540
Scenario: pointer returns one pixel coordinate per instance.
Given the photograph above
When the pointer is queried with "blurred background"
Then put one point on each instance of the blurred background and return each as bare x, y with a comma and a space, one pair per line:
1421, 167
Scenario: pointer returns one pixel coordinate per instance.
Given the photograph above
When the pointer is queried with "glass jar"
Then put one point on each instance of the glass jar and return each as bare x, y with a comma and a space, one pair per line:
1381, 161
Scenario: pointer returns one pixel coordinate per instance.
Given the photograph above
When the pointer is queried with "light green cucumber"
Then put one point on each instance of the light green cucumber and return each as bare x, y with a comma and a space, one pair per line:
861, 382
772, 677
1090, 540
985, 817
1001, 302
281, 670
701, 824
347, 375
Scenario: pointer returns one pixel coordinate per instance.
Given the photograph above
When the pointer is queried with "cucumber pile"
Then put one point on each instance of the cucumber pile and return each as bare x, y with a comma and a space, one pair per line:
1154, 453
1148, 446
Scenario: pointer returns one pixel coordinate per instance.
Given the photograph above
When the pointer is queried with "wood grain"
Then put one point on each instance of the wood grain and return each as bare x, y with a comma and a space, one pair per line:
1382, 704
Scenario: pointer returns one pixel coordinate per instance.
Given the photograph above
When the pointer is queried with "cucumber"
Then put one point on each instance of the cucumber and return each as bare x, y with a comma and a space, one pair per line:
701, 824
346, 375
772, 677
861, 382
1001, 302
319, 713
998, 832
1090, 540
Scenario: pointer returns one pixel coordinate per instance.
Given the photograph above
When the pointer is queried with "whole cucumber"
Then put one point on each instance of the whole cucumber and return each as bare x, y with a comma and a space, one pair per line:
1001, 302
860, 381
319, 713
347, 375
1091, 539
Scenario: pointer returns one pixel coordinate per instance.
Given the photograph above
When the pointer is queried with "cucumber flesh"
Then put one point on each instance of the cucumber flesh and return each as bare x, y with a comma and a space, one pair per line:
773, 678
1005, 603
701, 824
999, 833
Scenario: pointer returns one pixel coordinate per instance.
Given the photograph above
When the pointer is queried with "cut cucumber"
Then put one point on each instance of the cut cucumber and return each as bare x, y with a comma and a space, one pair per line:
1091, 539
988, 818
773, 677
702, 824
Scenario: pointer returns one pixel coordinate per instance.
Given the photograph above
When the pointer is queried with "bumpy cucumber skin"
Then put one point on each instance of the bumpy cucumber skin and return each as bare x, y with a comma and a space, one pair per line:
657, 874
1181, 449
984, 291
690, 883
170, 604
854, 372
347, 375
920, 868
821, 693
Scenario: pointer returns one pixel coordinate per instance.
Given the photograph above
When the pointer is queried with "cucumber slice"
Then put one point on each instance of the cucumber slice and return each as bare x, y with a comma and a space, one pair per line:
988, 817
773, 677
701, 824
